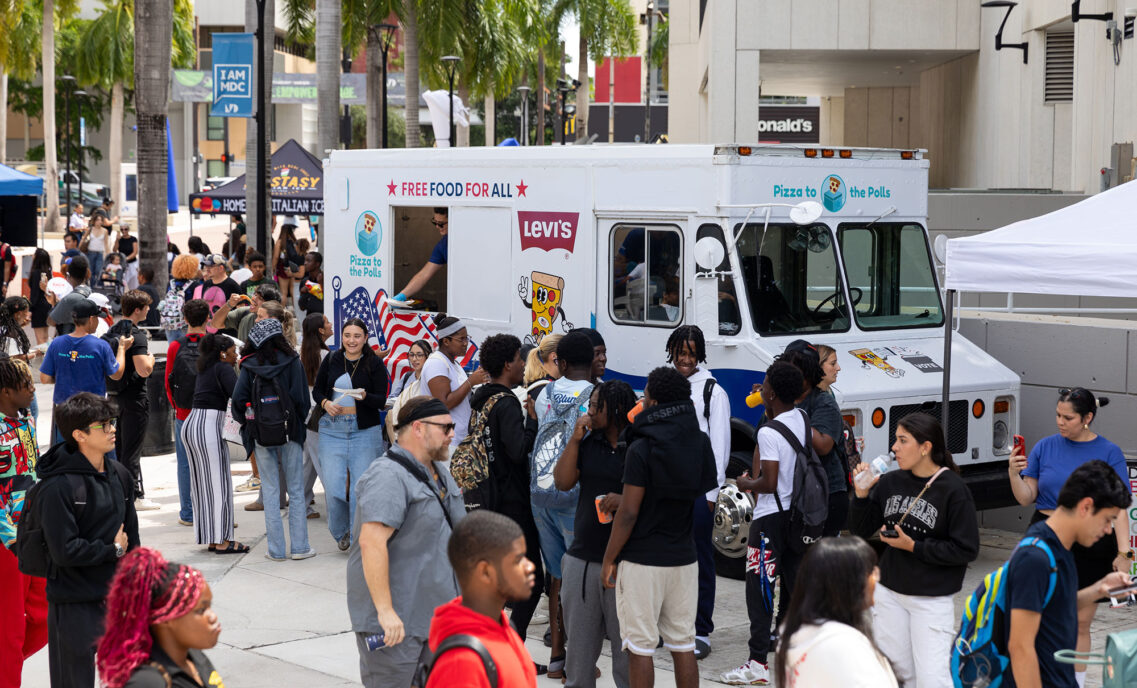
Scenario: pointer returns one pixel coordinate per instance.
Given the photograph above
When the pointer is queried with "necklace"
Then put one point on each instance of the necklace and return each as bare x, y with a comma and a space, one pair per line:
351, 373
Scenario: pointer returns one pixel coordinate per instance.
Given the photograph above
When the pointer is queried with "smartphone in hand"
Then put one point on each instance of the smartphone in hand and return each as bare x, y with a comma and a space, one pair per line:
1020, 443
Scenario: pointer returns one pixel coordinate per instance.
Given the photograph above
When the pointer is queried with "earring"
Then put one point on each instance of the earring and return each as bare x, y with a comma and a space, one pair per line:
1086, 426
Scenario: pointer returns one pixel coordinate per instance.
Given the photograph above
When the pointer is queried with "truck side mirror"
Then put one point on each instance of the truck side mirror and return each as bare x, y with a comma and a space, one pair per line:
709, 253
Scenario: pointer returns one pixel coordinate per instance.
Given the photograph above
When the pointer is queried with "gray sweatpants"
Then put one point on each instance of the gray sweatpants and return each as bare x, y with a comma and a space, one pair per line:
590, 616
390, 667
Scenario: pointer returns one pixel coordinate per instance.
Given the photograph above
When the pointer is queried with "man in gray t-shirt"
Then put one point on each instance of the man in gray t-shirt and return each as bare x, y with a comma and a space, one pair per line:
78, 272
397, 570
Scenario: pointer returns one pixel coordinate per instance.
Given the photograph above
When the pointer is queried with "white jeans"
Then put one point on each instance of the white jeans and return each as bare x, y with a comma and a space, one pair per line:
916, 634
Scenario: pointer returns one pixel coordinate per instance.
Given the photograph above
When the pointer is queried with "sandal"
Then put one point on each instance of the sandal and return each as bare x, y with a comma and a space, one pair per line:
233, 548
556, 667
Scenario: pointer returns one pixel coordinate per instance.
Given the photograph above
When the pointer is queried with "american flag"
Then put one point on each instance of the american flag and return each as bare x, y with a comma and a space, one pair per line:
391, 330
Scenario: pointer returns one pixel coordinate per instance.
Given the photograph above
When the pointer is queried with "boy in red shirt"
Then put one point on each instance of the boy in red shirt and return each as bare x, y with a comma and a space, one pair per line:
487, 553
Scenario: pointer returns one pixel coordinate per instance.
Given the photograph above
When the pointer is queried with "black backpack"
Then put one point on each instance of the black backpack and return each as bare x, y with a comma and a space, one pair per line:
122, 328
809, 505
422, 672
273, 418
31, 547
183, 378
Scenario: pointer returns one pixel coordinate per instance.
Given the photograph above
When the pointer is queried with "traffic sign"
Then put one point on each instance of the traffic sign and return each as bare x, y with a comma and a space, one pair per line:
232, 75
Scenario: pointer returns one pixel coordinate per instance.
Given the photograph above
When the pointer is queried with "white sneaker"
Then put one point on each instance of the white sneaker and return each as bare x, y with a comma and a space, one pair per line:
753, 673
250, 485
143, 504
305, 555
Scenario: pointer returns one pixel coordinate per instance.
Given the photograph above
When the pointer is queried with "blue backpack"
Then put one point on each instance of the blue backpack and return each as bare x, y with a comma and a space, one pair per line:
979, 656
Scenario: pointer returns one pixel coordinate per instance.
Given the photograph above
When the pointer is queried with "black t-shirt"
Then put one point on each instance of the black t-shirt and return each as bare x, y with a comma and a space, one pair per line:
214, 387
134, 385
126, 247
154, 316
601, 471
1028, 578
825, 417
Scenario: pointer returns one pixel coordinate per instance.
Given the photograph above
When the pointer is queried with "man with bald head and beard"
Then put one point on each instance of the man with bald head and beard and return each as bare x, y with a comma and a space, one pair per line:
398, 572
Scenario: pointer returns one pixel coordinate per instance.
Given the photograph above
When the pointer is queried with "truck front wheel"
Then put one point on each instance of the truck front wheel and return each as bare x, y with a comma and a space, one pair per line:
733, 513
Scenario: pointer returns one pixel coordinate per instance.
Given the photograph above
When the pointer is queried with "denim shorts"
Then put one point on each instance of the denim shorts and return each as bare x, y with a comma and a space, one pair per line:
555, 531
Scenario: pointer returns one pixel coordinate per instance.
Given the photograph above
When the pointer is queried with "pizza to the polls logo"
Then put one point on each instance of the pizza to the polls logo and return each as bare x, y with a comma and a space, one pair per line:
547, 230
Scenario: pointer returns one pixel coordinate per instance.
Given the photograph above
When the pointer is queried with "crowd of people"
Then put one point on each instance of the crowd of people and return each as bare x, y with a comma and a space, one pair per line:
462, 497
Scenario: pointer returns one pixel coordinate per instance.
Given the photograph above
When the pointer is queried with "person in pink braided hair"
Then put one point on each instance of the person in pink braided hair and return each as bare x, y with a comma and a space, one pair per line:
159, 619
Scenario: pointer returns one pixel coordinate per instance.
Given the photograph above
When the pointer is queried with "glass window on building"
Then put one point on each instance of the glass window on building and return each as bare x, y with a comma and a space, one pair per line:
214, 168
215, 129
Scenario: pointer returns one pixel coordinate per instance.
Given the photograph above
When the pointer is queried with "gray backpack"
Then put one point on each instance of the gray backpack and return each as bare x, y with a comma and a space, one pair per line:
552, 437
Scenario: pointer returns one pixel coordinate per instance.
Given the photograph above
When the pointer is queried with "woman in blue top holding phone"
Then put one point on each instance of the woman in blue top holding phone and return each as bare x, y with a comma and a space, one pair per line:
1037, 480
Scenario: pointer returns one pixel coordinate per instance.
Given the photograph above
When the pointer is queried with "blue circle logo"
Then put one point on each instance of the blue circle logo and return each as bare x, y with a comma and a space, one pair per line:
833, 193
368, 233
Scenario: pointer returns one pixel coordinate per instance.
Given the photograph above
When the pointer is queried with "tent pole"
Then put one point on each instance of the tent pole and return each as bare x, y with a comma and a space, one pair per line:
950, 302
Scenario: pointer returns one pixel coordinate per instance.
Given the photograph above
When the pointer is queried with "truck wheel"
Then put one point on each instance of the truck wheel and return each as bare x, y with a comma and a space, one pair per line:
733, 514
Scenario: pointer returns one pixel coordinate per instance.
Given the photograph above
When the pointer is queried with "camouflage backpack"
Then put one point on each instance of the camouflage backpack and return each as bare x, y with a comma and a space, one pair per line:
470, 464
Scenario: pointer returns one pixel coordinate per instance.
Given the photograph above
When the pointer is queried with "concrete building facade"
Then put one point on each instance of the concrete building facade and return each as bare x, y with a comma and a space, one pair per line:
914, 74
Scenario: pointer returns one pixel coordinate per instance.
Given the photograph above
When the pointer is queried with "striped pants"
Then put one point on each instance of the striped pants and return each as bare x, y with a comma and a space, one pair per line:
211, 486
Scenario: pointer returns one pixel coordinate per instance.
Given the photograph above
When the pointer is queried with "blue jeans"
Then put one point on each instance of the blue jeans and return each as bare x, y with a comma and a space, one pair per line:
185, 511
95, 259
555, 530
291, 461
345, 451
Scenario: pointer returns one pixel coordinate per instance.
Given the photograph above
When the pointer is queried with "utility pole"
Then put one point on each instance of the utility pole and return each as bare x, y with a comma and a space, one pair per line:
263, 230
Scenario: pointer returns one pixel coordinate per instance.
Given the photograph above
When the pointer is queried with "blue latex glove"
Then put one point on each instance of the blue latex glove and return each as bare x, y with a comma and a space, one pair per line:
400, 297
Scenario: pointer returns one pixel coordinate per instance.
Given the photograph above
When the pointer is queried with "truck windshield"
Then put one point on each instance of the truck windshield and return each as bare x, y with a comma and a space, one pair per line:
791, 277
891, 279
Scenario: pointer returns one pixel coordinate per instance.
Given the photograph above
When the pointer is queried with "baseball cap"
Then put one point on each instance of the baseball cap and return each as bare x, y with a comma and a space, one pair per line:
803, 347
213, 260
100, 300
85, 309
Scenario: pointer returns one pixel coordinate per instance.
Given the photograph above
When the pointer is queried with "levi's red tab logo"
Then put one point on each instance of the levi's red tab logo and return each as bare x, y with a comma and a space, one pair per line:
547, 231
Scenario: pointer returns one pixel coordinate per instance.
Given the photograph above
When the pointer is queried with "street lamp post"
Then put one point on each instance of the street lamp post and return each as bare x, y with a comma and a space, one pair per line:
80, 95
70, 85
524, 91
388, 36
649, 15
263, 232
345, 123
451, 64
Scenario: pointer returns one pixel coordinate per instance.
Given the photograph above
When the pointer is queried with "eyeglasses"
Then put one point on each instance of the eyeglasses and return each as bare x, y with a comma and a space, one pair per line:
446, 427
438, 224
416, 356
110, 423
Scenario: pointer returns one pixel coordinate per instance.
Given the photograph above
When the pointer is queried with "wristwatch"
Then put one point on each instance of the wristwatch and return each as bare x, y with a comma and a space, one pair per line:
1128, 555
119, 550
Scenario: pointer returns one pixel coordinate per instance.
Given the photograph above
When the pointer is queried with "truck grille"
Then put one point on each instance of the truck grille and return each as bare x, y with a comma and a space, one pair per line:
957, 425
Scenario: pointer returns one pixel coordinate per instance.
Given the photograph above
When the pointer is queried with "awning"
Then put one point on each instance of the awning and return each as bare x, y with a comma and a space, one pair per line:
296, 178
16, 183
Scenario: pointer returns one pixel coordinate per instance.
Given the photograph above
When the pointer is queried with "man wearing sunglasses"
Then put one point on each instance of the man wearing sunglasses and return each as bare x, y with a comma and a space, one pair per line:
397, 569
437, 258
86, 508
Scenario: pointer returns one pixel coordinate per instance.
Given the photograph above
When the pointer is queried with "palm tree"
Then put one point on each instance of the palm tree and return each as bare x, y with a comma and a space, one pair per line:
607, 27
328, 30
153, 20
19, 47
106, 60
410, 72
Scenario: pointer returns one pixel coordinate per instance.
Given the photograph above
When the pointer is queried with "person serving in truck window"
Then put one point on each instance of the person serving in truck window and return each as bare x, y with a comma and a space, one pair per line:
437, 257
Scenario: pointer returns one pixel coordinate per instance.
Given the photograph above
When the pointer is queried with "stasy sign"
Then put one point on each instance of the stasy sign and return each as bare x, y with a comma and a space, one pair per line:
547, 230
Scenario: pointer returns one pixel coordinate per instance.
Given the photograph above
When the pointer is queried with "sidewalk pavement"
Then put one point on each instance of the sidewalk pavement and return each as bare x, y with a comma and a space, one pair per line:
286, 623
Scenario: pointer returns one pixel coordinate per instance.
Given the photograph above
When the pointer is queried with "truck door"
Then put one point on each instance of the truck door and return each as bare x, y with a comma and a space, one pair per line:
481, 244
641, 292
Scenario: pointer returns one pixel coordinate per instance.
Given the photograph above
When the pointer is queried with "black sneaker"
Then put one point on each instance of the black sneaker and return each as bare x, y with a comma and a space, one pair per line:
702, 648
548, 639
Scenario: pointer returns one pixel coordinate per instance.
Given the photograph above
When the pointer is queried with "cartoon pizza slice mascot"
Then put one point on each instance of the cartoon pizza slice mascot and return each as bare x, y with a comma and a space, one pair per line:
543, 294
868, 357
367, 238
834, 197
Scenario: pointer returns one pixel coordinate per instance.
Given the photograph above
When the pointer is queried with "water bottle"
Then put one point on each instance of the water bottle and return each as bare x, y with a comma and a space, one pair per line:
249, 413
877, 467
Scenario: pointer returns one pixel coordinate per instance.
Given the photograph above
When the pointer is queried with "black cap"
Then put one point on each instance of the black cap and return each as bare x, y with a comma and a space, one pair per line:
804, 347
85, 309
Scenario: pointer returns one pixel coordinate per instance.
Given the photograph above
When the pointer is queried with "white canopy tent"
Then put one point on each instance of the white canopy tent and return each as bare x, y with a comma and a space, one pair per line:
1085, 249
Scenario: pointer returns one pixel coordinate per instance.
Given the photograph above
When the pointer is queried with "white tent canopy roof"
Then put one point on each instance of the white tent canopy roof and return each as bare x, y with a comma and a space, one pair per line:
1086, 249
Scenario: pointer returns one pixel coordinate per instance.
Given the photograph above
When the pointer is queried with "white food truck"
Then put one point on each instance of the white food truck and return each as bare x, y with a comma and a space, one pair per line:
758, 245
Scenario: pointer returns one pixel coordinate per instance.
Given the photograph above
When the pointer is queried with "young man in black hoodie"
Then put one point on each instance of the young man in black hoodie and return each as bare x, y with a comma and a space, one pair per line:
89, 523
507, 490
669, 465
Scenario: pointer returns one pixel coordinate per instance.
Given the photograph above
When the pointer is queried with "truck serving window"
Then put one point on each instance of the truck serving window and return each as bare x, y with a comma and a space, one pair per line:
646, 275
791, 278
891, 281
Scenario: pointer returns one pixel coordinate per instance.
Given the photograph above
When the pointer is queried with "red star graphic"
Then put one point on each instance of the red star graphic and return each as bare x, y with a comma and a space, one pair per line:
391, 188
521, 188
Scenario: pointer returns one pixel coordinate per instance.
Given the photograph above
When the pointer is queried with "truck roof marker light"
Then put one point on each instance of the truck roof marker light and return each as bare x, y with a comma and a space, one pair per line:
907, 155
826, 153
1002, 406
745, 150
978, 408
810, 152
846, 154
878, 417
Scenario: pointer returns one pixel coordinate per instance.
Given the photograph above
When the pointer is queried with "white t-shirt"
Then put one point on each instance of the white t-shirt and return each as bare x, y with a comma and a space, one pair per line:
77, 222
438, 365
834, 655
773, 447
98, 242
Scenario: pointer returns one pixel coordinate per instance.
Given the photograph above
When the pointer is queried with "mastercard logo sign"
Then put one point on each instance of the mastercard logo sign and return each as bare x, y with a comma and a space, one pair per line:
206, 205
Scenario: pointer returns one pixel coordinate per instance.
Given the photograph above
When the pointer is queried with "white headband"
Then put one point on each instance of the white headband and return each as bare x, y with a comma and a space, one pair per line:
450, 329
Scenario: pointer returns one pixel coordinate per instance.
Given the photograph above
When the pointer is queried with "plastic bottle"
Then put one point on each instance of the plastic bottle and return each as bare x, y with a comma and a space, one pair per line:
877, 467
249, 414
754, 399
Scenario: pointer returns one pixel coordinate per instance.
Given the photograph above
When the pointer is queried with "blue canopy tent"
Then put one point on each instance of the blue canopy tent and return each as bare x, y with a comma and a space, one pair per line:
19, 202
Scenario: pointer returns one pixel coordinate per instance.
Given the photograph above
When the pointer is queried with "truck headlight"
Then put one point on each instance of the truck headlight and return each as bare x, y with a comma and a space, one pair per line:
999, 435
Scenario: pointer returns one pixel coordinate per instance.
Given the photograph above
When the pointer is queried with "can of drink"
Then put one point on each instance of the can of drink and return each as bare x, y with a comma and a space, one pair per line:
754, 399
602, 516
